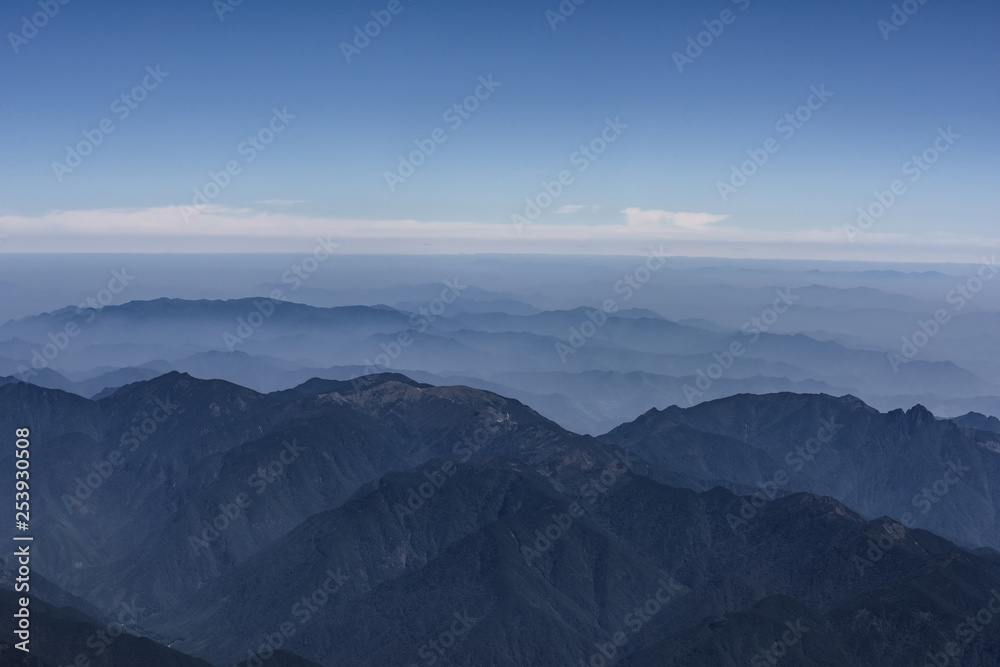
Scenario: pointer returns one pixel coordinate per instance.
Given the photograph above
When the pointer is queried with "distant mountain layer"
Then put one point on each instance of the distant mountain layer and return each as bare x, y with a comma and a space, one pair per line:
586, 369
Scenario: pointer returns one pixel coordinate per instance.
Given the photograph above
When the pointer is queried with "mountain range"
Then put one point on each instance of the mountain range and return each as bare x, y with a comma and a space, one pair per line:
583, 368
383, 520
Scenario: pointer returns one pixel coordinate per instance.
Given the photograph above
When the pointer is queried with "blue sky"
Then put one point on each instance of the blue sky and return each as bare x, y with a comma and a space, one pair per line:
326, 171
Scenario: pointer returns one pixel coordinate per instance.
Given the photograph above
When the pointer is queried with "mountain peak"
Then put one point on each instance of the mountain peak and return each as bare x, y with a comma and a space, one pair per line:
978, 421
179, 383
920, 415
319, 386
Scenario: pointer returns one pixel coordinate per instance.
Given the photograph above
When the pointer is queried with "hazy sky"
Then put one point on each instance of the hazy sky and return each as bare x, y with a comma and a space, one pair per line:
213, 74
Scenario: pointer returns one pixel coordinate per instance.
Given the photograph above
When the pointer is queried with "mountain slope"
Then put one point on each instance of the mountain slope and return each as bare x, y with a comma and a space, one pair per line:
922, 471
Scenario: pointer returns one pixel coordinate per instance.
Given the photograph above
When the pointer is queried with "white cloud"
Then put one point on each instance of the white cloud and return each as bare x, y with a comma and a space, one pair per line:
576, 208
280, 202
220, 229
636, 217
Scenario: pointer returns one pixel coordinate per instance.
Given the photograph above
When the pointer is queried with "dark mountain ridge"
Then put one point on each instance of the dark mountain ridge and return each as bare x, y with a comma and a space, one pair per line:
412, 507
